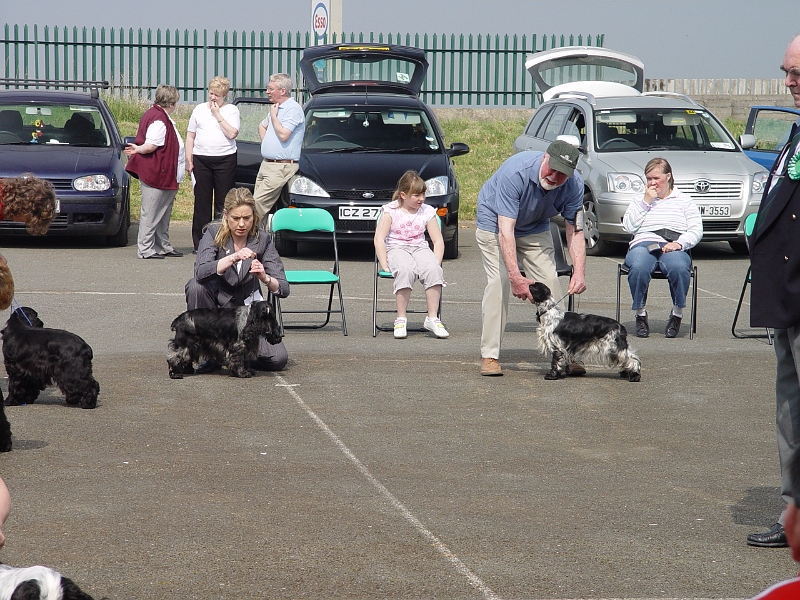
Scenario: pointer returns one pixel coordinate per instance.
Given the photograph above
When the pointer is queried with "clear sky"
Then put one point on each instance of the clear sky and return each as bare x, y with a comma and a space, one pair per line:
674, 38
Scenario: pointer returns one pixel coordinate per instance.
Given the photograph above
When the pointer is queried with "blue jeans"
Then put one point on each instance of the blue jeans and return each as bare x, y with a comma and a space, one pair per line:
675, 265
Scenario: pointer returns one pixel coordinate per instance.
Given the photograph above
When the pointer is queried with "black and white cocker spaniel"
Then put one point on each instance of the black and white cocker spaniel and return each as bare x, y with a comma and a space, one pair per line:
36, 357
228, 336
37, 583
572, 337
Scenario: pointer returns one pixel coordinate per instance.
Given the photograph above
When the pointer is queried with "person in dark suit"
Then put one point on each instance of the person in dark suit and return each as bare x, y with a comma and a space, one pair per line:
775, 292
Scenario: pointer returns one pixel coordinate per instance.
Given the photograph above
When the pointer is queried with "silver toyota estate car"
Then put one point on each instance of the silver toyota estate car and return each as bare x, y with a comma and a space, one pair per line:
593, 99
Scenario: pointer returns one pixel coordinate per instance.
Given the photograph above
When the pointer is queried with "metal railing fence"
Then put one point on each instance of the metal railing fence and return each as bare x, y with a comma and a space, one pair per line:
465, 70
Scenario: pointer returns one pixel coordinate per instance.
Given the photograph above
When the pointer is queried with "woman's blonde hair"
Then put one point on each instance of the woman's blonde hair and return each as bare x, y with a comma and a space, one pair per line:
410, 183
234, 199
219, 85
655, 163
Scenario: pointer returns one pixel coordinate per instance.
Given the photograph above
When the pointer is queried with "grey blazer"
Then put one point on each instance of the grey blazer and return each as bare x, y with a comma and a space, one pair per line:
233, 285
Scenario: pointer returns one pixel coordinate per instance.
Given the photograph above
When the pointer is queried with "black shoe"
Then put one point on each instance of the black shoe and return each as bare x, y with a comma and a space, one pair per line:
154, 256
673, 326
207, 366
642, 327
774, 538
174, 253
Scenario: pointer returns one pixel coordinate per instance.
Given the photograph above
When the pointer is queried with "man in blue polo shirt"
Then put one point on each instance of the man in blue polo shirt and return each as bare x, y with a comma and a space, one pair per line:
281, 138
513, 219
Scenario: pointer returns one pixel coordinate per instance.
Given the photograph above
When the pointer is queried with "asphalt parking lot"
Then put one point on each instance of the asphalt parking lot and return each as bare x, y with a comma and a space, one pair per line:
382, 468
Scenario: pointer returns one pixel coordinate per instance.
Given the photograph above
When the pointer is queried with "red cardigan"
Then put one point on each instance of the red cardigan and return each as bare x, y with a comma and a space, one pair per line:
159, 169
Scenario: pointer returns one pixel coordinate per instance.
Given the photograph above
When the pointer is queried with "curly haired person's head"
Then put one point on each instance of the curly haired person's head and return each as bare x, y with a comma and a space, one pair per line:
30, 200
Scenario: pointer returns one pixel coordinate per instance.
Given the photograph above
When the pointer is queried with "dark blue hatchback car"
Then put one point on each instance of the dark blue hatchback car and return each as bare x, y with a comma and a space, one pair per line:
70, 139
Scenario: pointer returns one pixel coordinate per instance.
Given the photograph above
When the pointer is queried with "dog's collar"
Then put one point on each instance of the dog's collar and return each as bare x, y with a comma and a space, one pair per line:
540, 312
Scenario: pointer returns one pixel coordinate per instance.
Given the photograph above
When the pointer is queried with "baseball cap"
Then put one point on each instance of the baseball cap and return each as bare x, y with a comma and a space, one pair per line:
563, 157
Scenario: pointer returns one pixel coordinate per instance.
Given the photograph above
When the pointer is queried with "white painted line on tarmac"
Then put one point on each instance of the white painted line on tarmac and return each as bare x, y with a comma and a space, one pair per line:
440, 547
84, 293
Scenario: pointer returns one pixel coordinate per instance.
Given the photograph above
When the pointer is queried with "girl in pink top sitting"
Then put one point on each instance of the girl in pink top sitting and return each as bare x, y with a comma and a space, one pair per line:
402, 249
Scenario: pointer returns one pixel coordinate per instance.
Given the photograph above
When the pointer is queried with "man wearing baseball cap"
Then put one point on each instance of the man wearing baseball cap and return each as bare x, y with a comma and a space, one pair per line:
513, 228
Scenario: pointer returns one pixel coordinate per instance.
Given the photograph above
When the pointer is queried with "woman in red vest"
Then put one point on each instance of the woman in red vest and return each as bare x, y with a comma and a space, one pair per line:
157, 160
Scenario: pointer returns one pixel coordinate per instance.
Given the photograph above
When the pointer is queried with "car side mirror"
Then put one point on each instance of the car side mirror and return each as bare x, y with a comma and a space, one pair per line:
747, 141
128, 140
457, 149
570, 139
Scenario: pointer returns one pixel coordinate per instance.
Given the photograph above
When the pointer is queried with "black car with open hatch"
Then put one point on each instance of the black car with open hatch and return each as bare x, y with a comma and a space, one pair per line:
365, 126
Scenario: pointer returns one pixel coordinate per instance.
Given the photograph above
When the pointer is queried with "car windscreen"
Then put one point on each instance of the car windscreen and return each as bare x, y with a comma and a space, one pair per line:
375, 130
631, 129
52, 124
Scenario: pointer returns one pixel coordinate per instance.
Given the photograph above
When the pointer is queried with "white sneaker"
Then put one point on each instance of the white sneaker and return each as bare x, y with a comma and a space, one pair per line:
435, 325
400, 332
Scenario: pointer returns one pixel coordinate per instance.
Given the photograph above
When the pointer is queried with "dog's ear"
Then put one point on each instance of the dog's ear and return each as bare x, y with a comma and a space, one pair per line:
27, 590
27, 316
72, 591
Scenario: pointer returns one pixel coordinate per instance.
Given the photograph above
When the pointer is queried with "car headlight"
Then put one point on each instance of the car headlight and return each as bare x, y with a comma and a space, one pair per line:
436, 186
92, 183
303, 186
625, 183
759, 182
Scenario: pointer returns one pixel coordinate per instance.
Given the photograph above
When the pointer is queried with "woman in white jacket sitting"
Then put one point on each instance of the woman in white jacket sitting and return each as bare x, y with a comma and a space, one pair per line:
665, 224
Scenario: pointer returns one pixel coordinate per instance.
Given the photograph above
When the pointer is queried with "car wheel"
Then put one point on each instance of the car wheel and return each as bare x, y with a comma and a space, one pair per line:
595, 245
740, 248
120, 238
451, 247
284, 246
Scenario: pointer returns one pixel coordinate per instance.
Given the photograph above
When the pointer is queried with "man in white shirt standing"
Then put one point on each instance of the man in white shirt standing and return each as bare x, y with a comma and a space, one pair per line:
281, 138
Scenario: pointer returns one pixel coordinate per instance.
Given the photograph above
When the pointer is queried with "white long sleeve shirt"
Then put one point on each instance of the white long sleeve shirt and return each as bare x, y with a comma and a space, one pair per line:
677, 212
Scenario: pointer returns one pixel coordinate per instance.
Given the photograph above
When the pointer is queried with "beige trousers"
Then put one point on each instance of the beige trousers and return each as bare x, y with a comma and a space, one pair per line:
270, 180
535, 255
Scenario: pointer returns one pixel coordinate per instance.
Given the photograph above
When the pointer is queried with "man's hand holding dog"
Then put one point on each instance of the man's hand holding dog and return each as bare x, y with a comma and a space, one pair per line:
520, 287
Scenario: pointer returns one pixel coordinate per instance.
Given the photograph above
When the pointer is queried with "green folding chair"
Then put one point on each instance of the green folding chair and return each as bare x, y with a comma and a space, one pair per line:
305, 220
749, 224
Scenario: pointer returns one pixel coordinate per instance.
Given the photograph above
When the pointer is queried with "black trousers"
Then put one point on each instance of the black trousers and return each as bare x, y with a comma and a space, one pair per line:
214, 177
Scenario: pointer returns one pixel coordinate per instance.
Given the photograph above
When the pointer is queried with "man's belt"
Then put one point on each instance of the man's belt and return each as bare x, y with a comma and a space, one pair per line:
280, 160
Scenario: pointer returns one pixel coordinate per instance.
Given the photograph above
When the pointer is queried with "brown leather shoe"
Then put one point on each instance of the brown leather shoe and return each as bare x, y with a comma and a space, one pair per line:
490, 367
576, 370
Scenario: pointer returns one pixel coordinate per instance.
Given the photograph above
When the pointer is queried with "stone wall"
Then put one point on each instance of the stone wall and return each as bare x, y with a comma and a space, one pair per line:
724, 97
723, 106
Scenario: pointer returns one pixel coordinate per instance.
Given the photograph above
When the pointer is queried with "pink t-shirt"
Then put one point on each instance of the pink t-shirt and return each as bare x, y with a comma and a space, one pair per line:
407, 229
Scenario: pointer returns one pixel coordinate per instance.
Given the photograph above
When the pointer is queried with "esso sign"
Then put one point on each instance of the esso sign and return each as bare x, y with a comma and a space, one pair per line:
320, 20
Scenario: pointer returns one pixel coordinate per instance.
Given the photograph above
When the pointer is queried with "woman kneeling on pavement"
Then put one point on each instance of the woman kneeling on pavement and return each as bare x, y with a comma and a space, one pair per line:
234, 257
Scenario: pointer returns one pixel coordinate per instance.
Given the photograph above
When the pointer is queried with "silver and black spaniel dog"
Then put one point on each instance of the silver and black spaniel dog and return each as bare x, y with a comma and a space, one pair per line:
36, 357
586, 338
37, 583
228, 336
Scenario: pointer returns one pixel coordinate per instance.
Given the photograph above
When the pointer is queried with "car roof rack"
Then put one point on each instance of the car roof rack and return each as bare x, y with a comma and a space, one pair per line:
577, 95
92, 86
675, 95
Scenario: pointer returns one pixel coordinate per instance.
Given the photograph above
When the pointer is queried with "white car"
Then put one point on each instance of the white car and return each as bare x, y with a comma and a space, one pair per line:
593, 99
